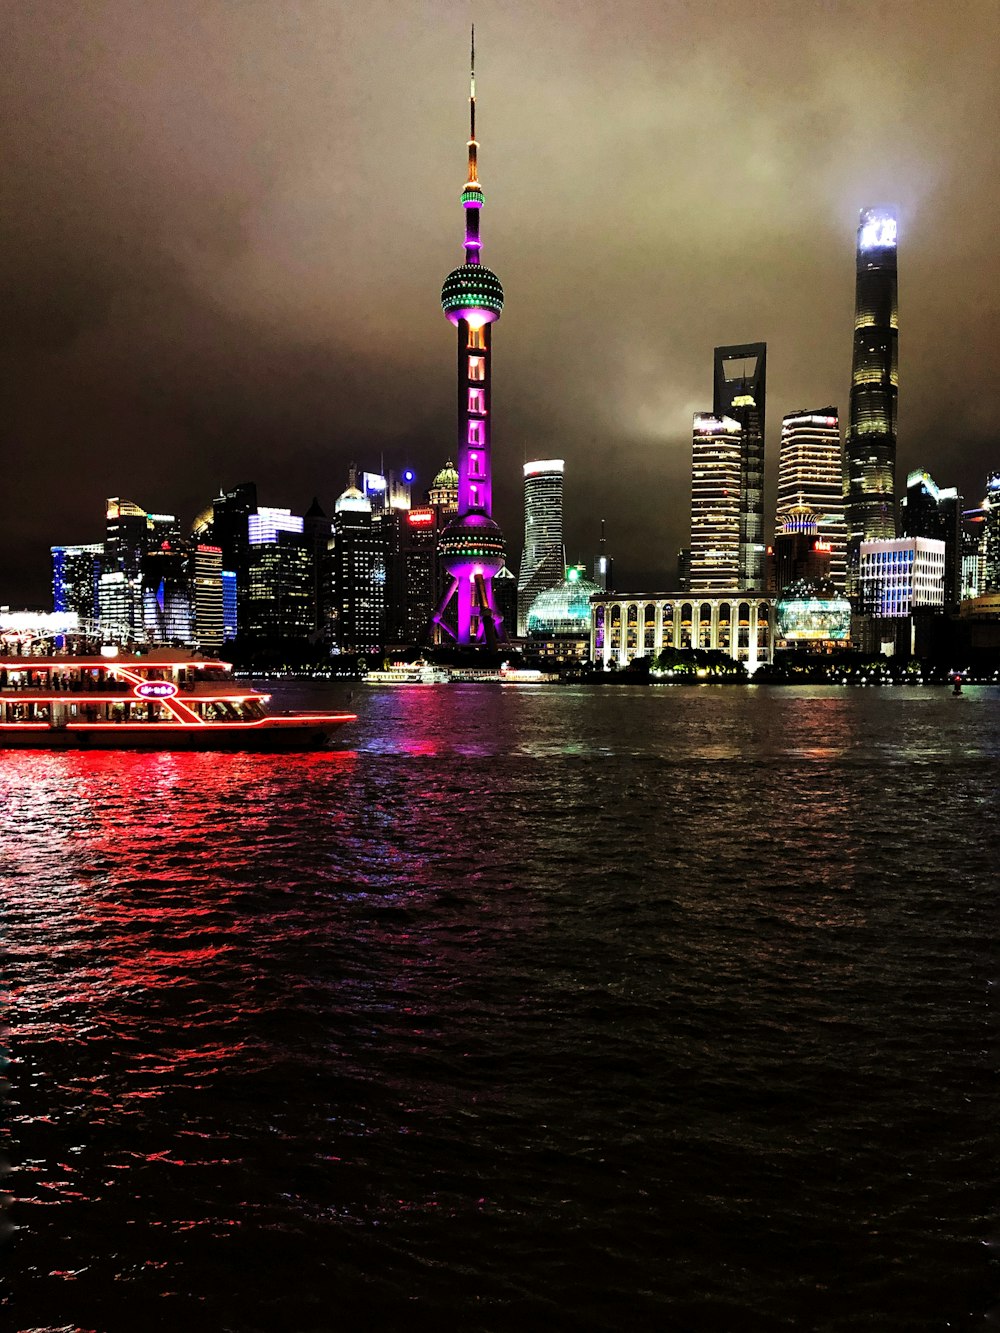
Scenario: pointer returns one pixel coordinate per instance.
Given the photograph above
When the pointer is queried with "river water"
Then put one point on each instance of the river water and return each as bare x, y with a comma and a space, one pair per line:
551, 1008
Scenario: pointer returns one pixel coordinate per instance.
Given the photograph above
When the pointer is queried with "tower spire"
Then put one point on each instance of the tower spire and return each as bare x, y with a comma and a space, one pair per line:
473, 145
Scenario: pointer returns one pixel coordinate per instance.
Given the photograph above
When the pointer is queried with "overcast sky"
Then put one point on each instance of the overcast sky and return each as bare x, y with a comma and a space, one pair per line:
225, 228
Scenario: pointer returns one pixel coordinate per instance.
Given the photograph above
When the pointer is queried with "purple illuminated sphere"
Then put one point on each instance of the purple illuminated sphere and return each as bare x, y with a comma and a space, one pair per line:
472, 544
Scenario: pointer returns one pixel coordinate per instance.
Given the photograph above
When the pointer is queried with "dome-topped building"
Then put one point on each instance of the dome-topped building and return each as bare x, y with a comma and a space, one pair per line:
444, 488
811, 614
563, 610
447, 475
352, 500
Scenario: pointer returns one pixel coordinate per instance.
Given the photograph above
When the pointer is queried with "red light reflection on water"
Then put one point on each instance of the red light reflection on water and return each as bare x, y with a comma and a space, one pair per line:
123, 848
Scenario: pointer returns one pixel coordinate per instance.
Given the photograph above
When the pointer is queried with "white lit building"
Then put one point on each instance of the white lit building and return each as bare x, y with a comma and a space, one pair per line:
900, 575
265, 524
544, 562
716, 470
626, 626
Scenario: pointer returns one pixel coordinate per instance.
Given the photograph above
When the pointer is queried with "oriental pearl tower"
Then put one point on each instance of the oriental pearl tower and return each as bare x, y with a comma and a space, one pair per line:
471, 547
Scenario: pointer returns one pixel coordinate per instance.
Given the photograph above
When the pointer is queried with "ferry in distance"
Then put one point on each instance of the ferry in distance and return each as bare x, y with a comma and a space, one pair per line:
160, 699
407, 673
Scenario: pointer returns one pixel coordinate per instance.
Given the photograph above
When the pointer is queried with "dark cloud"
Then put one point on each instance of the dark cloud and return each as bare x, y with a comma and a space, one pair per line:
226, 225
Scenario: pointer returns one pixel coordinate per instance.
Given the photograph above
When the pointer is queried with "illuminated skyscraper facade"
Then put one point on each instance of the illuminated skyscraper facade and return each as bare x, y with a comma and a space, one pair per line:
716, 471
230, 606
811, 475
280, 602
230, 530
166, 594
543, 564
929, 510
900, 575
870, 472
76, 573
358, 575
991, 534
205, 577
125, 545
471, 547
740, 393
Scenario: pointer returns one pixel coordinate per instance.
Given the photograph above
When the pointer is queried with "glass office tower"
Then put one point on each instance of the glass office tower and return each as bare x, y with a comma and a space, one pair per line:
871, 437
740, 393
543, 564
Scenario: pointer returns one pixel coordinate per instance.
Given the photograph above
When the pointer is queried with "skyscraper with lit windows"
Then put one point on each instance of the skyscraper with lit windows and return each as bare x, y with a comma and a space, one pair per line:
929, 510
811, 475
357, 574
76, 574
740, 393
543, 564
870, 471
716, 472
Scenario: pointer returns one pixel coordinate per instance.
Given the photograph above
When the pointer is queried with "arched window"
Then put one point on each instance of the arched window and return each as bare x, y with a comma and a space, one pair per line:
763, 628
743, 629
705, 625
725, 632
649, 627
667, 623
686, 617
631, 627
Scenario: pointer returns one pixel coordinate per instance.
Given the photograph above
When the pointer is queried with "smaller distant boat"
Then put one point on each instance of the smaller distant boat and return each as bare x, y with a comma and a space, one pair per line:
408, 673
526, 676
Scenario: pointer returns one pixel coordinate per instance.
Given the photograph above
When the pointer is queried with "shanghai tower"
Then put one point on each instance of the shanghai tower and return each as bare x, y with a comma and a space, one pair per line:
471, 547
869, 489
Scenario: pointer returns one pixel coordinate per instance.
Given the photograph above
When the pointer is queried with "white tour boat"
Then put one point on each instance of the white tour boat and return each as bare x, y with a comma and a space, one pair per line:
408, 673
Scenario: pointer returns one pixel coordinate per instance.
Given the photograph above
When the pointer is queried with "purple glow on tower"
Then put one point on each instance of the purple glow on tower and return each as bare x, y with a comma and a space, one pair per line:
472, 546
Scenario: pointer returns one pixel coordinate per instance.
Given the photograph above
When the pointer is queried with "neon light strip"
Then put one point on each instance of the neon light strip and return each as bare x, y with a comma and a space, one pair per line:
180, 710
101, 696
104, 663
323, 719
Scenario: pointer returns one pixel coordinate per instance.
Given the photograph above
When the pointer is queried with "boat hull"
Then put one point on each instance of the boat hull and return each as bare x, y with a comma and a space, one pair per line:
270, 734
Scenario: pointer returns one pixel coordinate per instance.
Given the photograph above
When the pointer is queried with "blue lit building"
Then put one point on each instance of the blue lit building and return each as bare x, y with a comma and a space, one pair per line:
76, 575
230, 616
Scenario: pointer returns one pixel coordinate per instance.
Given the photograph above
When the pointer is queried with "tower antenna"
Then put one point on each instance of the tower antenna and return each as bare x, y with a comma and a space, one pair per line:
473, 145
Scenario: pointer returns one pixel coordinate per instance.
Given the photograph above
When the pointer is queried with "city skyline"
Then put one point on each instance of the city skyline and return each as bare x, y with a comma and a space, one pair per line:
261, 327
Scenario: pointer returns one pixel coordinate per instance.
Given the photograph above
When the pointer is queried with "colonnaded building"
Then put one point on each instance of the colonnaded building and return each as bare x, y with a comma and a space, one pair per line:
624, 626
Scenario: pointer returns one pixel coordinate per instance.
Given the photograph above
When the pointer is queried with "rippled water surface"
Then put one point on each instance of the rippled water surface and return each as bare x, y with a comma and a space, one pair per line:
552, 1008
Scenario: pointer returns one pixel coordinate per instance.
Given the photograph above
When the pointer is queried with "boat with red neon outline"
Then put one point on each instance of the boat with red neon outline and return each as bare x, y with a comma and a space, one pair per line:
158, 699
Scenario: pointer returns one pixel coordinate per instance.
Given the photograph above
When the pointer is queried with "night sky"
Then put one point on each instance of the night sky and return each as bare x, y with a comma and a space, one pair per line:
225, 228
